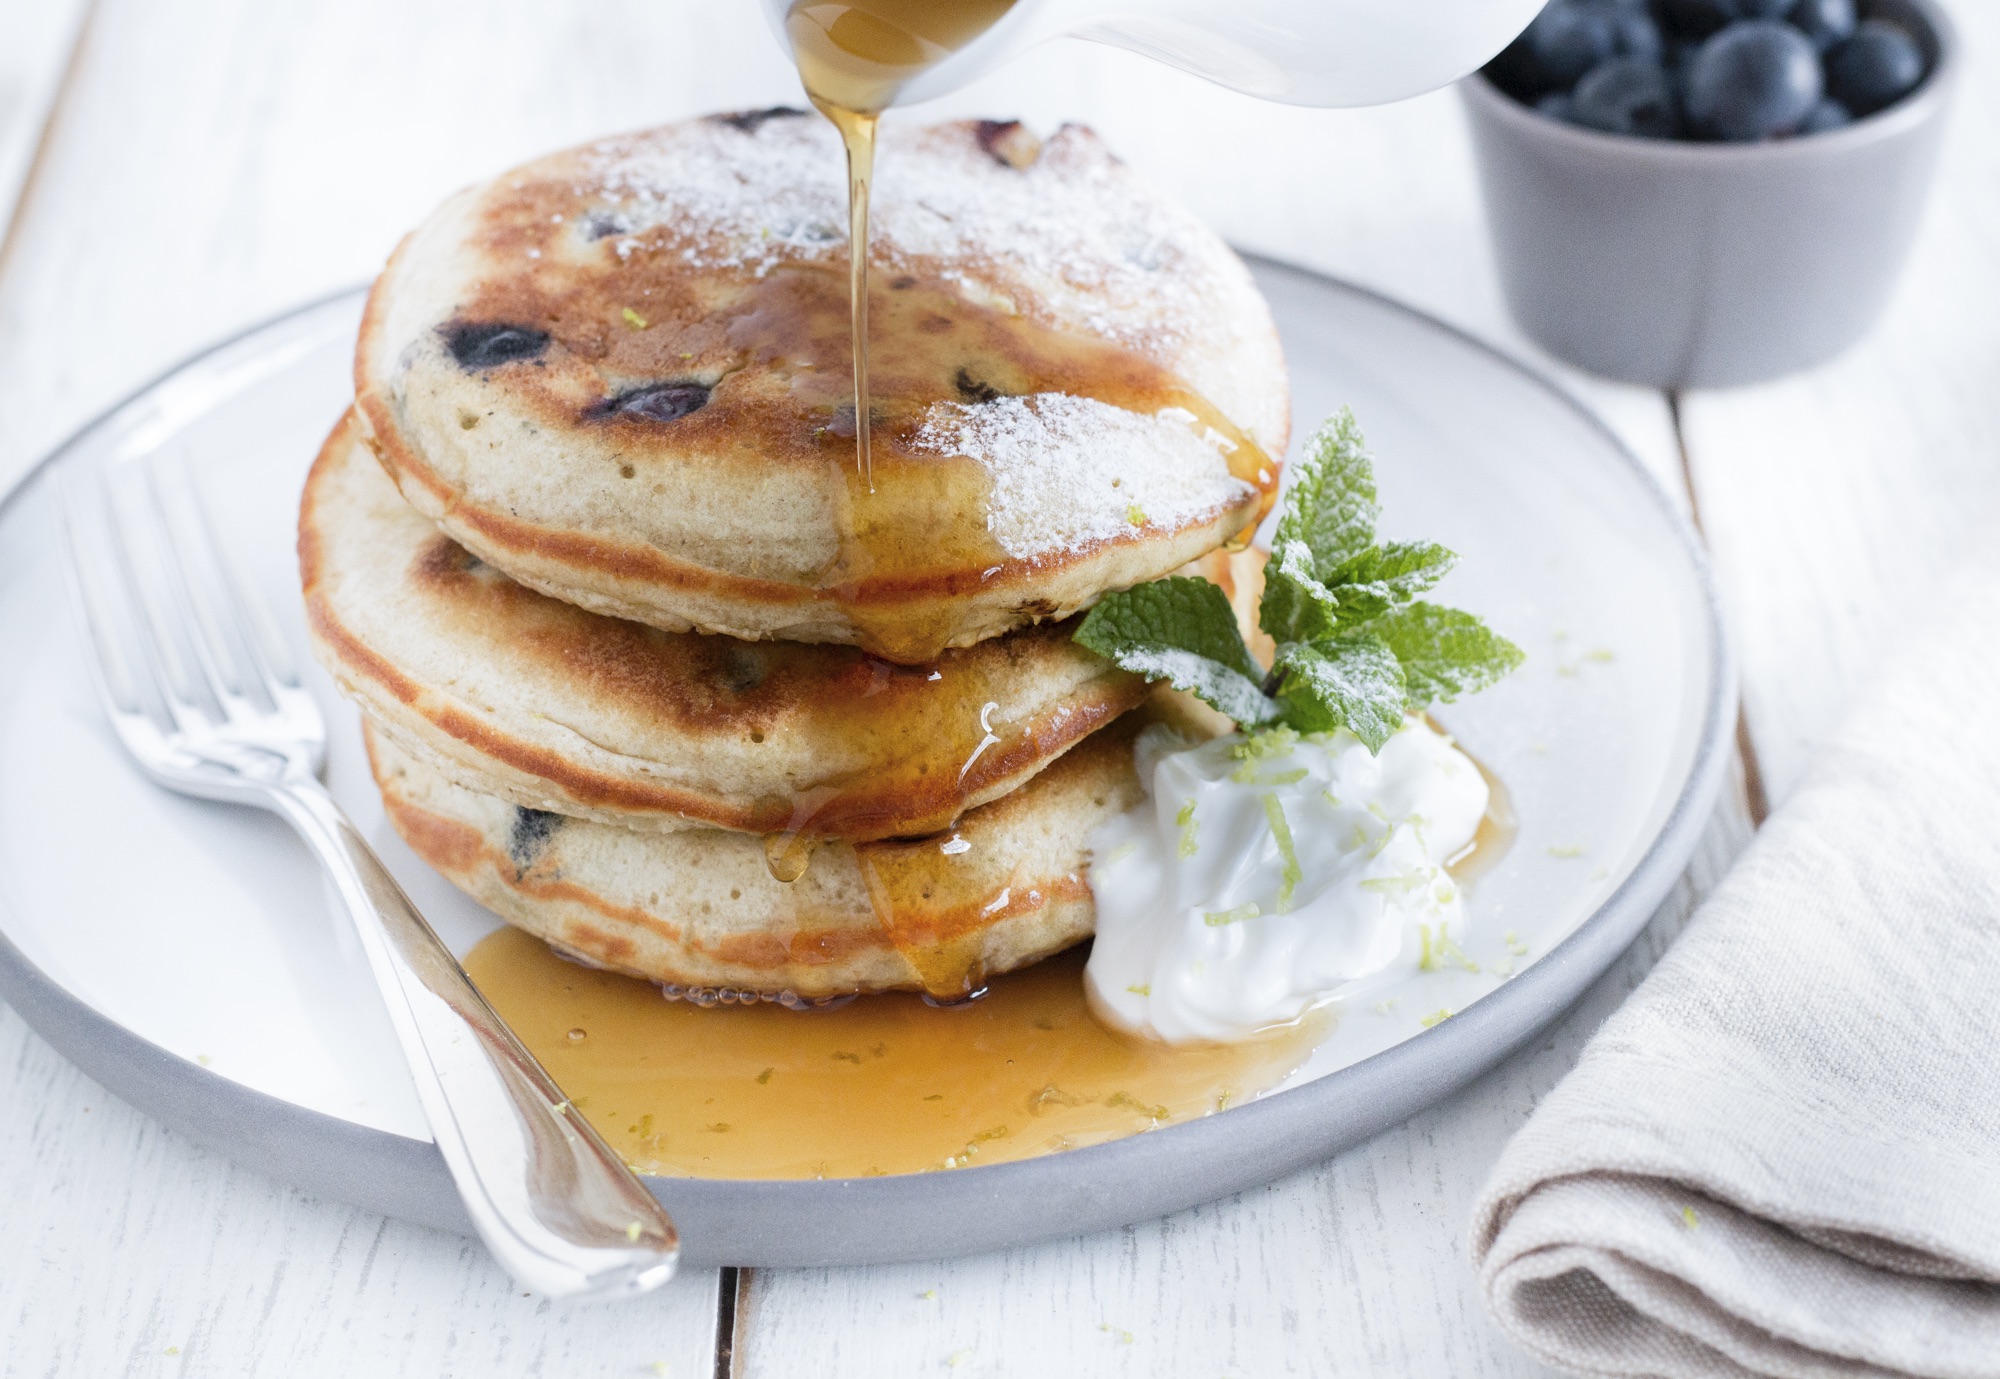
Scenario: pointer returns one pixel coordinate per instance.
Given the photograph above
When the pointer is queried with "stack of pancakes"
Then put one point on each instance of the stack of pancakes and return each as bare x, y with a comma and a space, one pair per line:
651, 668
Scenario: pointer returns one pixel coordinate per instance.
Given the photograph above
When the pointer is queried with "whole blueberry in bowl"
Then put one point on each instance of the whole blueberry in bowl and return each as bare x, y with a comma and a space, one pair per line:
1876, 67
1825, 23
1624, 95
1728, 204
1753, 79
1568, 38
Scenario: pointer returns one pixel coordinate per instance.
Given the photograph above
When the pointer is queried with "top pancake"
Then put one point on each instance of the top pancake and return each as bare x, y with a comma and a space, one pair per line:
622, 375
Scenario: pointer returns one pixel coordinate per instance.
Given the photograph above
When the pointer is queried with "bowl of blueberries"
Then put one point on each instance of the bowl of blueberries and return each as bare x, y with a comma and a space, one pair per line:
1700, 193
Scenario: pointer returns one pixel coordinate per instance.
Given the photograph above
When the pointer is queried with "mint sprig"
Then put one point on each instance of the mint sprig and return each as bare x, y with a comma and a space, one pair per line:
1357, 649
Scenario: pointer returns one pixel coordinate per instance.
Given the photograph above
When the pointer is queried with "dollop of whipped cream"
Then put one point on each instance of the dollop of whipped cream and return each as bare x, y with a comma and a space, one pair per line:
1267, 875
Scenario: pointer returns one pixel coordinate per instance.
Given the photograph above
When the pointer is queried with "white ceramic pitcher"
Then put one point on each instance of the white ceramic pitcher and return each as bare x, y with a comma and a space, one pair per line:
1301, 52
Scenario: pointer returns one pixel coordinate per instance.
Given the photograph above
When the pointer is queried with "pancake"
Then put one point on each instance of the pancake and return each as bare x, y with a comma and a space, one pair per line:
622, 374
699, 909
518, 695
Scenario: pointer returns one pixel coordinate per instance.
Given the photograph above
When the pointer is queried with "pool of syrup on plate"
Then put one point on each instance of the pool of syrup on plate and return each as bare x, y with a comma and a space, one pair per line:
882, 1085
885, 1084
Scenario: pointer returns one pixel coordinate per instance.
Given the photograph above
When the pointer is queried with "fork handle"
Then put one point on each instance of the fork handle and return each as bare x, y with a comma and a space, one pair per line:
555, 1204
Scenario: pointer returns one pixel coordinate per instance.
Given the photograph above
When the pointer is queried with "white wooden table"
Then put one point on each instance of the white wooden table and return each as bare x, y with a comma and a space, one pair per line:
171, 170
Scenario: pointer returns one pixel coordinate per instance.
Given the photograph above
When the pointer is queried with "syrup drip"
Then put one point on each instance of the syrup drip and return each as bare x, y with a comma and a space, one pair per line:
917, 518
787, 855
1494, 838
853, 59
884, 1085
857, 133
945, 948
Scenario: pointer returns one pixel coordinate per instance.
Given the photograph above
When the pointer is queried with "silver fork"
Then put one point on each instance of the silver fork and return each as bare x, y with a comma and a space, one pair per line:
202, 693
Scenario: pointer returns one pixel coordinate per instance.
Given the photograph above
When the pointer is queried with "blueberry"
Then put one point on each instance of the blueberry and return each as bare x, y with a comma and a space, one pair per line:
1558, 105
1691, 18
1638, 35
1700, 18
1880, 65
750, 121
973, 389
1572, 36
1515, 71
1628, 95
529, 838
1679, 60
482, 345
1756, 78
1828, 114
656, 401
1825, 22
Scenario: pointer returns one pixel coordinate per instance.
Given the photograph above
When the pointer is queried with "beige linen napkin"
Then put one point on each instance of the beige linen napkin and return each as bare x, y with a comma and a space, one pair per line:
1782, 1155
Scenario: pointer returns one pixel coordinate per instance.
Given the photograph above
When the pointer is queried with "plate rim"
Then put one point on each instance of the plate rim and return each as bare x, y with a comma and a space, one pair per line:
757, 1222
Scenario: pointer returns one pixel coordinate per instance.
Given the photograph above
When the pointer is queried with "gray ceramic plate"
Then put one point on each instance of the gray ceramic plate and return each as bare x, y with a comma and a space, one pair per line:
183, 954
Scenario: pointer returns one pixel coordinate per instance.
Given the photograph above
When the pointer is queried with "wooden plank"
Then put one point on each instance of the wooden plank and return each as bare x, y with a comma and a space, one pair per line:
1836, 501
132, 1252
1358, 1266
41, 35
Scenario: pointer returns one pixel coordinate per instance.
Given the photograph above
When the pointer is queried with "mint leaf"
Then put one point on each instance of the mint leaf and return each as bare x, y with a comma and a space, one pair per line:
1296, 606
1444, 652
1355, 648
1383, 577
1353, 683
1183, 631
1330, 507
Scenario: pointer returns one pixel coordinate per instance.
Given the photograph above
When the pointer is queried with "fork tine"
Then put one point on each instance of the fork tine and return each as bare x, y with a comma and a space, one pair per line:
111, 668
247, 614
219, 664
170, 674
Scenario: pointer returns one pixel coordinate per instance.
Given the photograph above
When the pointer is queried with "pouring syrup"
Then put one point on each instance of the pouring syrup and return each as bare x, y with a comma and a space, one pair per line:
855, 57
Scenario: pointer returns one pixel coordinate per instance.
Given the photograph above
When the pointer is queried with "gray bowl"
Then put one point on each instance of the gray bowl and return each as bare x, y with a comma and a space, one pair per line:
1699, 265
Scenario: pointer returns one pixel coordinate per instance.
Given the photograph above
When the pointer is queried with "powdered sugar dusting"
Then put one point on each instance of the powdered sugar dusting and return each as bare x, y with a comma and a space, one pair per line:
1070, 472
1076, 236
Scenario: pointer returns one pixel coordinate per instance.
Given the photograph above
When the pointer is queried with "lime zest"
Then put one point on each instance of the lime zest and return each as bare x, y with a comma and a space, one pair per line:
1216, 919
1266, 742
635, 320
1127, 1099
1187, 823
1449, 949
1281, 833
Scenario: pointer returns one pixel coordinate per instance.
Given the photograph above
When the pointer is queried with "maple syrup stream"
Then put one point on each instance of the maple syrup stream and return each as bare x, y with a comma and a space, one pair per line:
854, 56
